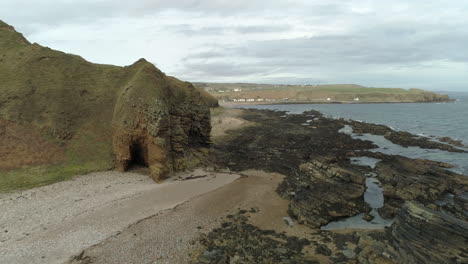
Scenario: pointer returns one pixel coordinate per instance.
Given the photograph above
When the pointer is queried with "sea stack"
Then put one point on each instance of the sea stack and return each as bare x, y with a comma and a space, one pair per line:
59, 112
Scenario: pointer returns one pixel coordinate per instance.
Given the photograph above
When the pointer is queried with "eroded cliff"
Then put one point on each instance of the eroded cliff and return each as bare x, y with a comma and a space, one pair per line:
61, 115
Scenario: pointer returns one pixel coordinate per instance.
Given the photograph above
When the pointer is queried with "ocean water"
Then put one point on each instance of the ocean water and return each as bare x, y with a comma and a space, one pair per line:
425, 119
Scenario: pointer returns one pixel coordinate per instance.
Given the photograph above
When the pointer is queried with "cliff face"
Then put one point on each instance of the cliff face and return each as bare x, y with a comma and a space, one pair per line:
61, 114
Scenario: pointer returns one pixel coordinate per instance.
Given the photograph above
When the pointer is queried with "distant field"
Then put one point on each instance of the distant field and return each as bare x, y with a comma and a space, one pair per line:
334, 93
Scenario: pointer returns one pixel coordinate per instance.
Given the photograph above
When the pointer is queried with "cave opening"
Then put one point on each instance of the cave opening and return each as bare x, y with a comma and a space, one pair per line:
139, 156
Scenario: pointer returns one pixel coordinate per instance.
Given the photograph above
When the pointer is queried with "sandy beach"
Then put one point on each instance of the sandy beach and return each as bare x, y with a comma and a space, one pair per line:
169, 237
52, 223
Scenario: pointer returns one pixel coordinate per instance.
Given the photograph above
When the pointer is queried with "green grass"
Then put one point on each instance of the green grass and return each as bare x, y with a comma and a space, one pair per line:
217, 111
338, 92
80, 159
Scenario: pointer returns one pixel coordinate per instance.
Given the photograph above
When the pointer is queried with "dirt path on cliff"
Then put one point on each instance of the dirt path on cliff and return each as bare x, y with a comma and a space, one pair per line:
52, 223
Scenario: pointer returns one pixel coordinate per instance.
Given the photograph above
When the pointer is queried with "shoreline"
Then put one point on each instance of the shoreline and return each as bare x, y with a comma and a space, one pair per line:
221, 103
284, 181
322, 186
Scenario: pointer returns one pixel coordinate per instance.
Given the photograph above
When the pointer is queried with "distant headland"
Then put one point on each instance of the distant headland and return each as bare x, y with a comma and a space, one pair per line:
249, 93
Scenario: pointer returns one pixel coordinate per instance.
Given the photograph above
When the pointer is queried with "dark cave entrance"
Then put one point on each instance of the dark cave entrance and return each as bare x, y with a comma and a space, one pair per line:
139, 156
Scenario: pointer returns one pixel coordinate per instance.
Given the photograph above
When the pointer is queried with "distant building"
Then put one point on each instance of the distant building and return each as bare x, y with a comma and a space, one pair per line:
237, 90
328, 99
356, 99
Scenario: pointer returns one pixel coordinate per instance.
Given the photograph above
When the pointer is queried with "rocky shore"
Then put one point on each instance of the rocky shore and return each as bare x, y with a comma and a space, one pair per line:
323, 185
300, 193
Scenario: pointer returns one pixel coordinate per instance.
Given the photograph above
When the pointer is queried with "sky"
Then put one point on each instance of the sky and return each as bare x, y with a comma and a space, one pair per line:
380, 43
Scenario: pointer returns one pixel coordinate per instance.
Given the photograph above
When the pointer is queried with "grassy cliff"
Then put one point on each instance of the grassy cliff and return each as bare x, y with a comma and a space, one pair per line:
337, 93
61, 115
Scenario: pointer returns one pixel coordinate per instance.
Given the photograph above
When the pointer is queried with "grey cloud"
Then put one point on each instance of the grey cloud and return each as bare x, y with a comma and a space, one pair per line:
262, 29
374, 47
64, 11
347, 57
30, 16
331, 39
222, 69
190, 30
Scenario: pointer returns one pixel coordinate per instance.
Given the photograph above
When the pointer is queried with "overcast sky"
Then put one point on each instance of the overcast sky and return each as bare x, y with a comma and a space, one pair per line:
394, 43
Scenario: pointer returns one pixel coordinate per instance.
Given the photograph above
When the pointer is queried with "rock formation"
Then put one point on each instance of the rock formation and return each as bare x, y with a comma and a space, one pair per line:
418, 235
403, 138
321, 184
312, 201
59, 112
422, 235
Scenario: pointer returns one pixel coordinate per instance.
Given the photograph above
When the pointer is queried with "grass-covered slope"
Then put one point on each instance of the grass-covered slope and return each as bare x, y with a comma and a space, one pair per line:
61, 115
318, 93
209, 99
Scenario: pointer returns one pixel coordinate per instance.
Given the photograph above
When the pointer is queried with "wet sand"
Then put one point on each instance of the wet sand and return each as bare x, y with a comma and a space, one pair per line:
169, 237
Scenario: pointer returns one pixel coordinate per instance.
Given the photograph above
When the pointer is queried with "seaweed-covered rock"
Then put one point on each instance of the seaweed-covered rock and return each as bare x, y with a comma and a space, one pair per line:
412, 179
422, 235
313, 193
68, 116
403, 138
237, 241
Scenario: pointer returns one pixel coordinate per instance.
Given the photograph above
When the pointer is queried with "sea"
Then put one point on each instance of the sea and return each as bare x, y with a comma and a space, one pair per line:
424, 119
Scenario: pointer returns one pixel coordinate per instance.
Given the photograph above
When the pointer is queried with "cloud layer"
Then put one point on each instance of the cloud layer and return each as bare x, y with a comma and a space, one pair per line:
377, 43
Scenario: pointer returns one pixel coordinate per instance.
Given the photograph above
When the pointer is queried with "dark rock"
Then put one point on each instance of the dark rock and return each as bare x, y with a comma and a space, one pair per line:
368, 217
323, 250
408, 179
401, 138
246, 243
316, 187
454, 142
422, 235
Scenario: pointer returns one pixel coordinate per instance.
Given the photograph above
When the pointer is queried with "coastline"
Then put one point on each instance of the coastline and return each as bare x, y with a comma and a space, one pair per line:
293, 174
221, 103
322, 186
